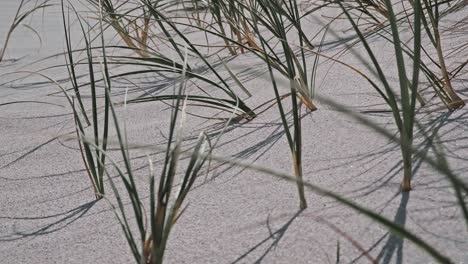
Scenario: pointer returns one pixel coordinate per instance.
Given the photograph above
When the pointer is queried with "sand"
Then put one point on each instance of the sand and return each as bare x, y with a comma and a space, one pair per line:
47, 208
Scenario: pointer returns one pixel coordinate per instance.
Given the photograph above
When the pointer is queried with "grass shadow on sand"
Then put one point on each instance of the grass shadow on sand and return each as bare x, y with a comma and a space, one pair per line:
275, 236
65, 219
394, 243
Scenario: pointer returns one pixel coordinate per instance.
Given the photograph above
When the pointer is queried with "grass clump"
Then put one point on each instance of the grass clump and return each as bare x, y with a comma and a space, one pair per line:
404, 111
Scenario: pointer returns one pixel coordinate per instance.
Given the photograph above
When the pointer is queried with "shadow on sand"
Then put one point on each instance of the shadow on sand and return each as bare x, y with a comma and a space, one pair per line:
275, 236
65, 219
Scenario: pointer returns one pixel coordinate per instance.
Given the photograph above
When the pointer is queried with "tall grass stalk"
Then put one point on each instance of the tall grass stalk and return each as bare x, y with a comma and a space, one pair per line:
162, 215
431, 17
294, 69
408, 89
94, 160
278, 18
449, 95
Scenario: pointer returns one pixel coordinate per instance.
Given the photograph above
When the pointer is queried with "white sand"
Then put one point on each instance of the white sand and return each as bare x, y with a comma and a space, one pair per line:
48, 214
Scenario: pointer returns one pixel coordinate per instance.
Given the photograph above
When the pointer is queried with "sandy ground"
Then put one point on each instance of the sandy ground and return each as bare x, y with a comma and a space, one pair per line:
48, 214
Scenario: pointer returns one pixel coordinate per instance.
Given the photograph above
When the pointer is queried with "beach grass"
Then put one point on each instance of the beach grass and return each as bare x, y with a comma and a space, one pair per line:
273, 32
